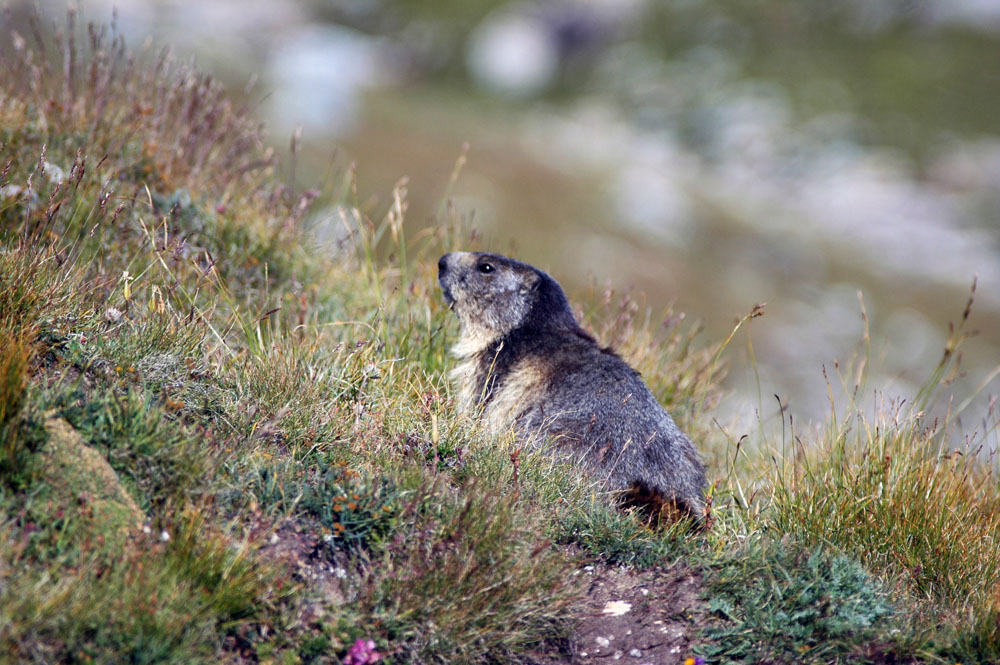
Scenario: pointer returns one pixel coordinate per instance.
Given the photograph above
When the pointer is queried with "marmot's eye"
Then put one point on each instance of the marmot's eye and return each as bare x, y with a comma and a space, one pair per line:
485, 267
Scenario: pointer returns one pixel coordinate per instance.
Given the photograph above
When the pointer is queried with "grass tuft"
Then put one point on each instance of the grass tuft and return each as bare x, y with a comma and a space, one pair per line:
784, 604
160, 602
15, 354
895, 489
468, 579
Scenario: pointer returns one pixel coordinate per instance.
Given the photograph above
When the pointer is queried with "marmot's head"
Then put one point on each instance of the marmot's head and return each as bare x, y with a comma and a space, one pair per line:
494, 295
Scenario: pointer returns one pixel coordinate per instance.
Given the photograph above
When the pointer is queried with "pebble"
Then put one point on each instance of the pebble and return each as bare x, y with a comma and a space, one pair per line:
602, 641
617, 608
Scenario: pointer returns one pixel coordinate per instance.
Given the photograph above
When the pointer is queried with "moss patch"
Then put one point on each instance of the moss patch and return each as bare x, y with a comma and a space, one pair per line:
78, 479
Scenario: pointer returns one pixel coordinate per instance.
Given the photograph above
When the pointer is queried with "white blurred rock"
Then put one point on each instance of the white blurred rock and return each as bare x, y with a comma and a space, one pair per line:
318, 75
616, 608
512, 54
980, 14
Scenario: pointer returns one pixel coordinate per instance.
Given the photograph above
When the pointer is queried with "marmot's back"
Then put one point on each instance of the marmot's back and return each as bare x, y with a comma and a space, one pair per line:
525, 362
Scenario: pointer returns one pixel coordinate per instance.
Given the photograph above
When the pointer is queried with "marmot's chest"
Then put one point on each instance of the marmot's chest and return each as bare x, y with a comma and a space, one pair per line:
500, 398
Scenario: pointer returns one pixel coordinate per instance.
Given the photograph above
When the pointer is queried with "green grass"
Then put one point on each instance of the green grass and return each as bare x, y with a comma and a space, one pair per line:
892, 488
194, 407
156, 602
781, 603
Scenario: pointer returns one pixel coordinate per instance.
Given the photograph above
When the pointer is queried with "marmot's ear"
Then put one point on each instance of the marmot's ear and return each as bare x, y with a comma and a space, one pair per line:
530, 282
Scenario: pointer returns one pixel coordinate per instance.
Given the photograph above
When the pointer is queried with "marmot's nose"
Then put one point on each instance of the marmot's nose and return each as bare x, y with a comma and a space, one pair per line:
443, 264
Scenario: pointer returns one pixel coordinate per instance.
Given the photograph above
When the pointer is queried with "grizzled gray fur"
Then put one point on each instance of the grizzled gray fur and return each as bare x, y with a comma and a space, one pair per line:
524, 362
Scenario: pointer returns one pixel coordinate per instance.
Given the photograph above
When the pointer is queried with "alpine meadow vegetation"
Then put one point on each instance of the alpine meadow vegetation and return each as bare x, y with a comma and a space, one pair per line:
227, 431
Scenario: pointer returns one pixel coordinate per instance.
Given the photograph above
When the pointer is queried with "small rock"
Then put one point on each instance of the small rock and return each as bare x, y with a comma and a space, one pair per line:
602, 642
635, 653
274, 539
617, 608
618, 655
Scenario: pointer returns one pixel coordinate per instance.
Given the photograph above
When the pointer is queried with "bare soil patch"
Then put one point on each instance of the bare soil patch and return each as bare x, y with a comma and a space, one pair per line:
645, 617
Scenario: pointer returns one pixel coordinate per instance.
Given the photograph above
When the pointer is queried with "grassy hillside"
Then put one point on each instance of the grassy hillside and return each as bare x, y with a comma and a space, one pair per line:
226, 431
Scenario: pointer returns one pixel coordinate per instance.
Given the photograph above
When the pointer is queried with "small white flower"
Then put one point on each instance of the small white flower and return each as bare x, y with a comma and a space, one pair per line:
339, 573
164, 536
113, 315
274, 539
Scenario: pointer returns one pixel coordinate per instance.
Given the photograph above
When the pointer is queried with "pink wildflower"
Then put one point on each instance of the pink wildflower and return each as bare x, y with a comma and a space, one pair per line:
362, 653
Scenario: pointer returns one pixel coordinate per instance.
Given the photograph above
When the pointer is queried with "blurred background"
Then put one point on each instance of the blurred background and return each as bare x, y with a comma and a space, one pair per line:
709, 154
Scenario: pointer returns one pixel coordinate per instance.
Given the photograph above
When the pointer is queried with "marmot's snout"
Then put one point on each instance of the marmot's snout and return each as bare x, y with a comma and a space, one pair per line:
442, 272
457, 272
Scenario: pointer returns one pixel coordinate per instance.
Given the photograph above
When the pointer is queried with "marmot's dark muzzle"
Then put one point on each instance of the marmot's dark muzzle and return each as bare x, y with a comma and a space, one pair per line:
442, 273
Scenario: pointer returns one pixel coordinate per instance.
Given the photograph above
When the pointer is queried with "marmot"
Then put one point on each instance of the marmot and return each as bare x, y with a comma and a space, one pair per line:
526, 362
